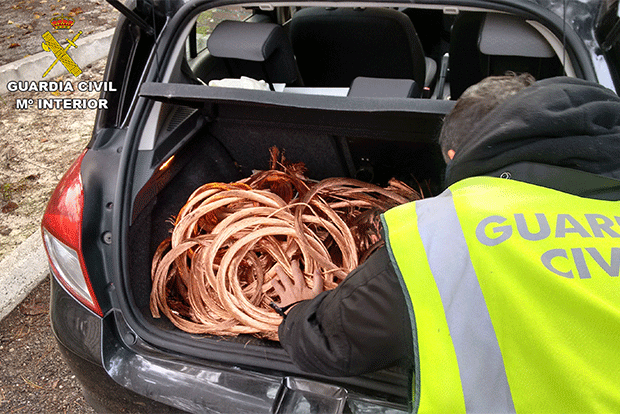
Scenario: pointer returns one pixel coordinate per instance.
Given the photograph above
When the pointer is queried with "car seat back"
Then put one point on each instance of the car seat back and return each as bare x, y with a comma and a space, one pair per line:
334, 46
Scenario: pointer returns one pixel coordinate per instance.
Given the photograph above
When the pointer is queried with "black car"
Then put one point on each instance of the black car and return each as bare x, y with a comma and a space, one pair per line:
352, 89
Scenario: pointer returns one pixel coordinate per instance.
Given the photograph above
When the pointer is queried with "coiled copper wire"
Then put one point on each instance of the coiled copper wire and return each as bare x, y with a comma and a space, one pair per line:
214, 274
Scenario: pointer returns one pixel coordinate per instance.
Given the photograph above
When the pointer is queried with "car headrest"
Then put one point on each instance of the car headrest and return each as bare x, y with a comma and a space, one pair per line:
247, 41
255, 42
506, 35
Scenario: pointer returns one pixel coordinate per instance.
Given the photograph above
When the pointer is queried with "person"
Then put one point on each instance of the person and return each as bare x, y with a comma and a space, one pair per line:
502, 293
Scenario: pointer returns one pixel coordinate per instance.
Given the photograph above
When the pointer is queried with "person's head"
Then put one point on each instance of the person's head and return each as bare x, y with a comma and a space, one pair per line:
474, 104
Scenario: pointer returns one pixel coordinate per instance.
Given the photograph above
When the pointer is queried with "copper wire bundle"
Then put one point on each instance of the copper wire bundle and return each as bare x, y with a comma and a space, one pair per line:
214, 274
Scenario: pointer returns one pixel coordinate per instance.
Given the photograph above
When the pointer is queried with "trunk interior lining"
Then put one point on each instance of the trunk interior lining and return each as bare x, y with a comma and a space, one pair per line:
236, 140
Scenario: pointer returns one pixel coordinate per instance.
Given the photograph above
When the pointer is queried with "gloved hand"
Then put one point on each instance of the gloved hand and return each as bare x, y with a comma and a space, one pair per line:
295, 290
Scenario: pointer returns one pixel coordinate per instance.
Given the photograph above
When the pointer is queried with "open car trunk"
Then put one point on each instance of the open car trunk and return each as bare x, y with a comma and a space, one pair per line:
222, 137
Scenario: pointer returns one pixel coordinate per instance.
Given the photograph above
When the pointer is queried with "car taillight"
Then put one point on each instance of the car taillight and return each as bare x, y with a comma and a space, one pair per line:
62, 236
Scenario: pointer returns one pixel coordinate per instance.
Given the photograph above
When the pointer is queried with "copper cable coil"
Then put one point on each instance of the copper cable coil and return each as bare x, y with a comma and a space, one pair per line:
214, 274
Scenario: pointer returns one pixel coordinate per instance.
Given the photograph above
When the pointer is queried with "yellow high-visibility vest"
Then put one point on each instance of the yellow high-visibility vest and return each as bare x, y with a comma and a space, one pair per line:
514, 298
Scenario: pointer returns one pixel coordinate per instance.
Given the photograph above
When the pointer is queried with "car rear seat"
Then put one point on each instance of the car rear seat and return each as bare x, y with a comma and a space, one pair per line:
335, 46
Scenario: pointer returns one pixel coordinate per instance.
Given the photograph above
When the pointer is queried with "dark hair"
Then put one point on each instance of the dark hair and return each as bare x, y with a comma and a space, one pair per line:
475, 103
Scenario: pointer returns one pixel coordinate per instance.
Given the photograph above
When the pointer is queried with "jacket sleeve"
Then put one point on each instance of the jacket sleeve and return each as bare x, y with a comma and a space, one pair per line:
359, 327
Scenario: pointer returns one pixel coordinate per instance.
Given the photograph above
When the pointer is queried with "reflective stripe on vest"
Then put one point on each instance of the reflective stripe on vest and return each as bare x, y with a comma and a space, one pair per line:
501, 321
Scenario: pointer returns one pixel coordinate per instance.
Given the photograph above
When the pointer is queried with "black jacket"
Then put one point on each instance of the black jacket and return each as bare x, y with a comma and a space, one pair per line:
563, 122
561, 133
335, 333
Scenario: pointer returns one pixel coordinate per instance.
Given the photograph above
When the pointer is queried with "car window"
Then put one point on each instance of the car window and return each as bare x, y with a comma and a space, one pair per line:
608, 35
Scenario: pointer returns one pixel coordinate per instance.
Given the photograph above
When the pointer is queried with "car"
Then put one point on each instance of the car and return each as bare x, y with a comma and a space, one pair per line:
351, 89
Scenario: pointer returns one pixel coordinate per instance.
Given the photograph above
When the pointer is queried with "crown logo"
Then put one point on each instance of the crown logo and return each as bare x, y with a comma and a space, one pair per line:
62, 22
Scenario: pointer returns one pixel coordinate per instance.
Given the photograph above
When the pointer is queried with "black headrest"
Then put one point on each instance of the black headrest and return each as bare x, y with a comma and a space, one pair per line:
257, 42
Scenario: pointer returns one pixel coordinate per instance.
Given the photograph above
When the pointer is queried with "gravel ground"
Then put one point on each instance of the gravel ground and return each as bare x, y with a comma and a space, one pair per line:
34, 379
36, 148
24, 21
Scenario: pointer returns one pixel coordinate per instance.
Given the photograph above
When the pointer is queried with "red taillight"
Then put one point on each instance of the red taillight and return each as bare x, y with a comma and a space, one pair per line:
62, 236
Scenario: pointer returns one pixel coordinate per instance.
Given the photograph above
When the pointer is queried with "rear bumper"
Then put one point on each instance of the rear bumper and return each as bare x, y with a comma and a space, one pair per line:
78, 335
105, 395
117, 376
121, 373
